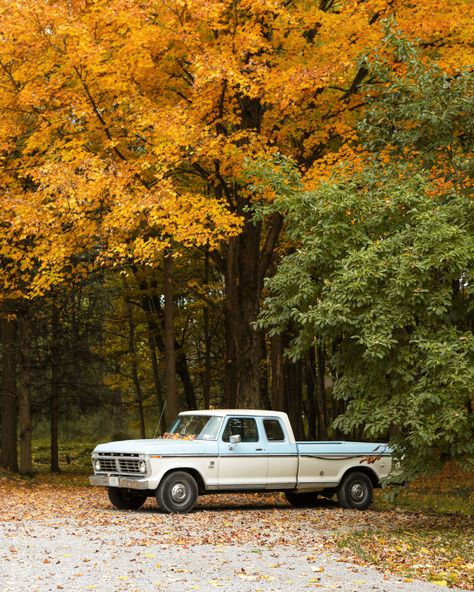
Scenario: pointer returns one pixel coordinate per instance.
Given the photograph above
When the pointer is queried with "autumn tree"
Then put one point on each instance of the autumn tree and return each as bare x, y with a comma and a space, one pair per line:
383, 262
125, 125
250, 78
77, 192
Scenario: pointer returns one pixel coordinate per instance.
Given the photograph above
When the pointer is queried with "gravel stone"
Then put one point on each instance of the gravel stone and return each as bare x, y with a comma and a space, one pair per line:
39, 556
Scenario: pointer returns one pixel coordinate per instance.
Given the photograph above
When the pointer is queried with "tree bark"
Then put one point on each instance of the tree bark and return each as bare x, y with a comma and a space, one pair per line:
312, 414
54, 399
243, 347
287, 383
248, 260
278, 378
76, 299
8, 453
133, 358
152, 305
206, 380
170, 356
293, 388
322, 399
24, 407
264, 372
155, 370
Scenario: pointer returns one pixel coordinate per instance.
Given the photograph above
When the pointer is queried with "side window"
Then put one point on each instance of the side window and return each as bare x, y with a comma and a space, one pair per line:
245, 427
273, 430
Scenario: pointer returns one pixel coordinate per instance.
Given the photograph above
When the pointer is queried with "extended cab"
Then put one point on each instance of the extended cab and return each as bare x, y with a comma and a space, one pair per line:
237, 450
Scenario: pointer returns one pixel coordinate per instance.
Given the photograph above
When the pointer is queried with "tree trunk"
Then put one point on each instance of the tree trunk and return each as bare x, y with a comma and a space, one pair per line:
322, 399
24, 411
312, 414
54, 399
293, 387
278, 378
206, 379
264, 372
8, 453
242, 307
133, 358
155, 371
76, 299
170, 357
152, 304
287, 383
248, 260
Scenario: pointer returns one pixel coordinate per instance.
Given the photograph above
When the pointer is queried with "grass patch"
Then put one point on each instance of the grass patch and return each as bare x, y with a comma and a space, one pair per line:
74, 455
74, 463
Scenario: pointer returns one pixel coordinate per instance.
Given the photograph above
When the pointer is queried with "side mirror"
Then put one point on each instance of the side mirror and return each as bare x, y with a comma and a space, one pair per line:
235, 439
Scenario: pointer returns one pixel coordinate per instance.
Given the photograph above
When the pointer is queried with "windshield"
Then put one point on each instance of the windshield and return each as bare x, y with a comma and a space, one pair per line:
199, 427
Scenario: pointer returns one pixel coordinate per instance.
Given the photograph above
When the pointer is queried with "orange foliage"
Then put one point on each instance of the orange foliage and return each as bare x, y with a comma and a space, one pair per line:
124, 125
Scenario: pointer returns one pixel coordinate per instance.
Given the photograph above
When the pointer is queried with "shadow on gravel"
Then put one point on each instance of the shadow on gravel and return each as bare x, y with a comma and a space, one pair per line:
235, 506
251, 507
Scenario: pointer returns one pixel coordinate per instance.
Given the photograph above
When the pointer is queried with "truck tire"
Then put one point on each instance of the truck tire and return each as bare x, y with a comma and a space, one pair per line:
355, 491
125, 499
177, 493
303, 500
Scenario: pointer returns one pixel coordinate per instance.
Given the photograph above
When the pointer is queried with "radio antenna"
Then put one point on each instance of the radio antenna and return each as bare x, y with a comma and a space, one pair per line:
159, 421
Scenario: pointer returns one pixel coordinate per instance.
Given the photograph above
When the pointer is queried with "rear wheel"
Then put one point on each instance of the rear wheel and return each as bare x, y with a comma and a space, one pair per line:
177, 493
355, 491
126, 499
303, 500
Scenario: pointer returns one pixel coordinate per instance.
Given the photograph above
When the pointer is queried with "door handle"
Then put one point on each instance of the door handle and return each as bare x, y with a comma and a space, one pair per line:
259, 449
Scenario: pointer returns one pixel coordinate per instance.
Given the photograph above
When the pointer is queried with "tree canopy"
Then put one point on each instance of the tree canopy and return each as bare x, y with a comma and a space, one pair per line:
125, 127
383, 262
124, 124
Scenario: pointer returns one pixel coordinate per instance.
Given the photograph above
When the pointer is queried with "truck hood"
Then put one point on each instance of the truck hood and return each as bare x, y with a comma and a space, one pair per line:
154, 446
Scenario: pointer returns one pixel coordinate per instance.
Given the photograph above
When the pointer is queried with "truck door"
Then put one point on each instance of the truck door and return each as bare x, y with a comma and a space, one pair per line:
243, 465
282, 455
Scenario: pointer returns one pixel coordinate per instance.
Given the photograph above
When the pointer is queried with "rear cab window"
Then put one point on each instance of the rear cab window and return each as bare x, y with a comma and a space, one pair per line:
273, 430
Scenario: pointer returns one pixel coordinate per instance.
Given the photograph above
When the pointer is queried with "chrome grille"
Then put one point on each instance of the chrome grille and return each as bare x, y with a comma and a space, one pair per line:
108, 464
128, 465
118, 463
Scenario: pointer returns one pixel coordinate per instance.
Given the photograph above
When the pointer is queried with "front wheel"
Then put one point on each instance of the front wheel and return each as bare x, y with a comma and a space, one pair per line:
126, 499
177, 493
355, 491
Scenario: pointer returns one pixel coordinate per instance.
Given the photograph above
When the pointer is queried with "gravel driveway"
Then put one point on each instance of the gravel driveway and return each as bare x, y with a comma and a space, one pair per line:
72, 555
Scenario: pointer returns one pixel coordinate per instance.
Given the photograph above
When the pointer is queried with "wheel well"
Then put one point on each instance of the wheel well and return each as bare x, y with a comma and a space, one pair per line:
193, 472
367, 471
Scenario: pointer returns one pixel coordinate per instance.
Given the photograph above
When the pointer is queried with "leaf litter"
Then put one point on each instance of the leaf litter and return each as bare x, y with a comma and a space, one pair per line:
436, 548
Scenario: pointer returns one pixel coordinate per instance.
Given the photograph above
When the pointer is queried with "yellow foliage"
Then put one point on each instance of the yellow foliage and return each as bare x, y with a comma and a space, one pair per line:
124, 125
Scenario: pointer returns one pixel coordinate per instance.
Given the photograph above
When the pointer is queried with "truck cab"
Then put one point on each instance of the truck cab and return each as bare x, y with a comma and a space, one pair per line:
237, 450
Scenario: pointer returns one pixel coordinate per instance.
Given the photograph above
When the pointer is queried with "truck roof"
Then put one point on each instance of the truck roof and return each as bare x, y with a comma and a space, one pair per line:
241, 412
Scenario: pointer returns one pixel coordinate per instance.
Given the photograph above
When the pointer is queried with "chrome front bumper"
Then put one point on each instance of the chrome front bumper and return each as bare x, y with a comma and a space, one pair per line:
115, 481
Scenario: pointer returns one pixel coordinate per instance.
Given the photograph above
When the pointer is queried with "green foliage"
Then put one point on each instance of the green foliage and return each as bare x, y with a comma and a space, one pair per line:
382, 264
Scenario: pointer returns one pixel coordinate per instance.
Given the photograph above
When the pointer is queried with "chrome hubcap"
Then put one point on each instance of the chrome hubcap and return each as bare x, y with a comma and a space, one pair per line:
178, 492
357, 492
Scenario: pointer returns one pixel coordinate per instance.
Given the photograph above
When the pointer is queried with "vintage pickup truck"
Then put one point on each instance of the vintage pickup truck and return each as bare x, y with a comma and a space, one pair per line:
237, 450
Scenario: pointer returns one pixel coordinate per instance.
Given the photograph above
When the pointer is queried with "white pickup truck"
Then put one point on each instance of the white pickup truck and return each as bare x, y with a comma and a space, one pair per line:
237, 450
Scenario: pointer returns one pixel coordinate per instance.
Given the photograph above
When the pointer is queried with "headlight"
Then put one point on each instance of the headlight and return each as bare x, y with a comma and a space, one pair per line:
97, 465
142, 466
